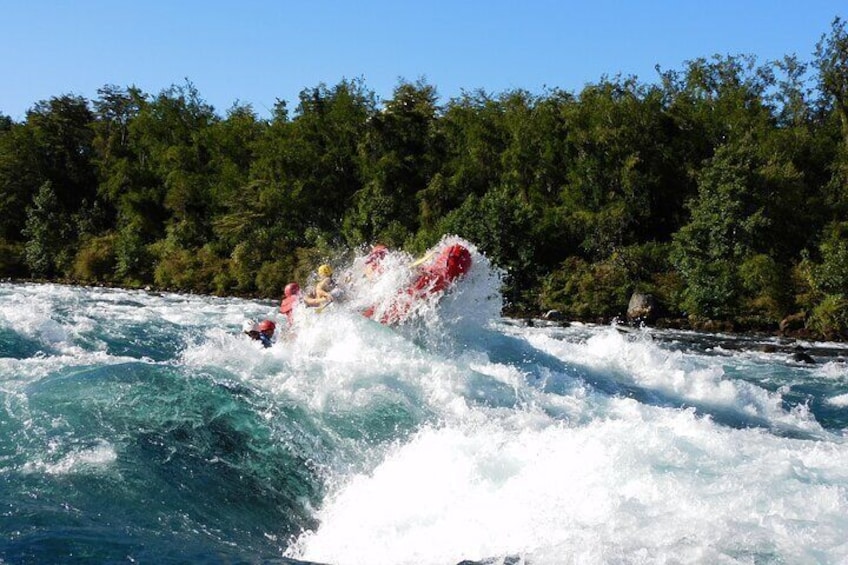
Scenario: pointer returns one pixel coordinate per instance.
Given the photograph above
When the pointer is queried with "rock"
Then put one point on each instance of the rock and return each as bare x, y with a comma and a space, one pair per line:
716, 326
642, 308
553, 316
803, 357
793, 323
800, 355
673, 323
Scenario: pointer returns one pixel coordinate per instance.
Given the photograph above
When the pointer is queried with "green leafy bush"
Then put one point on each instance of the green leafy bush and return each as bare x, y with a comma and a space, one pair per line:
273, 277
831, 275
12, 259
585, 291
765, 288
830, 317
96, 259
188, 269
243, 265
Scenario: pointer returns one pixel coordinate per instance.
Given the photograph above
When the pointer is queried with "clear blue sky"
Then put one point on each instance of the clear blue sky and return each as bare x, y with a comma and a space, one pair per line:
255, 51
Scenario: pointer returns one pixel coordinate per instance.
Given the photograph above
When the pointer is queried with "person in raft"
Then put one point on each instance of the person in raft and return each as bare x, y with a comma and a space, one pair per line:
291, 296
325, 290
374, 260
263, 331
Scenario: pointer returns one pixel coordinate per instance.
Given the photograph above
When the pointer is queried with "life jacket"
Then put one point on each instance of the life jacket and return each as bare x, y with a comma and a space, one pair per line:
289, 301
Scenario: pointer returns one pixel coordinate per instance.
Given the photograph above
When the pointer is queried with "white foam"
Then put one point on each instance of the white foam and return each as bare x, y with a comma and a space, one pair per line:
474, 300
644, 481
605, 479
634, 359
840, 400
833, 370
86, 460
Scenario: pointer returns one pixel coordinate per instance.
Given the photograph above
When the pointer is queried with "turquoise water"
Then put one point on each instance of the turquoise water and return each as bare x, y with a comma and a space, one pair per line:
141, 427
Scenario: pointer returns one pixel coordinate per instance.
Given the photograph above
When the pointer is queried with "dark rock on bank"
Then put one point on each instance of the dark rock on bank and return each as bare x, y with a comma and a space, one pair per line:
554, 316
793, 323
643, 308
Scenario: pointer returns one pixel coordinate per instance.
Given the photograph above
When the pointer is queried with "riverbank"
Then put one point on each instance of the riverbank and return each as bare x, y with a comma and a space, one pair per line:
791, 328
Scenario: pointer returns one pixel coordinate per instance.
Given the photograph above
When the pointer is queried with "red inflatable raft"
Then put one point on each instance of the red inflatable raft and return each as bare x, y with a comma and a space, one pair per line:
434, 277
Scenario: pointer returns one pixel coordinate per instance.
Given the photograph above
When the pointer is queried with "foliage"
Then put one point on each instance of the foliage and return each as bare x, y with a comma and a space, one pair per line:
831, 275
720, 189
48, 231
95, 261
832, 64
12, 258
830, 317
187, 270
272, 277
587, 290
764, 284
732, 223
399, 153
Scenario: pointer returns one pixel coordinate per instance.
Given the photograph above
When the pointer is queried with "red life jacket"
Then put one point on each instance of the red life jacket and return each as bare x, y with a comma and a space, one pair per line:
291, 298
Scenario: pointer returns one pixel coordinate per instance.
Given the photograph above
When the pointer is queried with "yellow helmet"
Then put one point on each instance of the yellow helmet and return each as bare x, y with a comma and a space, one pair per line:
325, 271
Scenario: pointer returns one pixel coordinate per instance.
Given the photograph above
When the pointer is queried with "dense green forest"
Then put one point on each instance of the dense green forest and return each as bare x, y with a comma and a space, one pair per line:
721, 188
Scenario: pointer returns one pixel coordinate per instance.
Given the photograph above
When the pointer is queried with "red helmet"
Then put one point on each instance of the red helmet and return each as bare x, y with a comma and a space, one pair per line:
266, 326
292, 289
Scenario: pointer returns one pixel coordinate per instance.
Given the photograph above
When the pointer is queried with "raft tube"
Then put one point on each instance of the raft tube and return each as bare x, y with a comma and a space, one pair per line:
435, 277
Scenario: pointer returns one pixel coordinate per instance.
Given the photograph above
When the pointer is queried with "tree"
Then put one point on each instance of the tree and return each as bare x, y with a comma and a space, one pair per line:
832, 64
501, 225
728, 225
116, 152
326, 133
19, 179
474, 137
48, 231
831, 275
401, 151
624, 183
61, 128
829, 281
53, 145
45, 166
184, 153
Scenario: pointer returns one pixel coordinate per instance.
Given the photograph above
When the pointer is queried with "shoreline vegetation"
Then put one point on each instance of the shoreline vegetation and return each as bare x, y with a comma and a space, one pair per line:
720, 190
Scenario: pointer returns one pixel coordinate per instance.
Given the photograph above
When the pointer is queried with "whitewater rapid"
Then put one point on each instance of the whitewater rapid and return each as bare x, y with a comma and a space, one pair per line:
460, 436
530, 460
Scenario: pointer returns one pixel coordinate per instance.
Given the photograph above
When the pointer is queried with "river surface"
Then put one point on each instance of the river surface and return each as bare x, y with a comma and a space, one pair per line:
145, 427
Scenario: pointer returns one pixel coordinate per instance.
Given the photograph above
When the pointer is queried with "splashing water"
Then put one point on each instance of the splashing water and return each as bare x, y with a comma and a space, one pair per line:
138, 426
